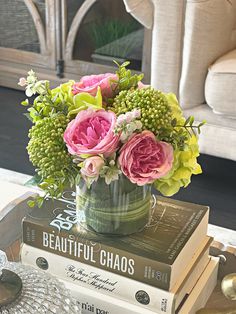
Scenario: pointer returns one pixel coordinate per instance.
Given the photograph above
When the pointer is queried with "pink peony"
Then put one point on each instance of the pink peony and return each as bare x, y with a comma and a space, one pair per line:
92, 166
91, 132
90, 83
143, 159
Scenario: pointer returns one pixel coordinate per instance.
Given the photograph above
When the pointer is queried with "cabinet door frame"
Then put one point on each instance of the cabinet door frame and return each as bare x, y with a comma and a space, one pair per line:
78, 68
56, 43
15, 63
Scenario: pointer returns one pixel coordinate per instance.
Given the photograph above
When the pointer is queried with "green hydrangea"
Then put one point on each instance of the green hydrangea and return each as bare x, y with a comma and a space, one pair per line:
185, 159
48, 153
156, 114
184, 166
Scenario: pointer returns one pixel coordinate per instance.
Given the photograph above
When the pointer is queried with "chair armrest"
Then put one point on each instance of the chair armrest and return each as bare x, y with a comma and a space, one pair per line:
141, 10
166, 18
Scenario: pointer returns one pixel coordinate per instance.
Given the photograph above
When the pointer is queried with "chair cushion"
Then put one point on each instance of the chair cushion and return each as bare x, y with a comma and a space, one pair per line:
218, 135
220, 85
209, 33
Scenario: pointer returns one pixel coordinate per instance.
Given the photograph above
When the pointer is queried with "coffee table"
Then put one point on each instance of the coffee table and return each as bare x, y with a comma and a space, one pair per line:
224, 245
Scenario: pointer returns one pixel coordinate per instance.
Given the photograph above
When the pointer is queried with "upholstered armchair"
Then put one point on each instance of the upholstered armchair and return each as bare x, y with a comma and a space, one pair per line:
194, 56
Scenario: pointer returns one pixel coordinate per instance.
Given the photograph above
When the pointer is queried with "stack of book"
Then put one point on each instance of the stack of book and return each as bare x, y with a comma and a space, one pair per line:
166, 268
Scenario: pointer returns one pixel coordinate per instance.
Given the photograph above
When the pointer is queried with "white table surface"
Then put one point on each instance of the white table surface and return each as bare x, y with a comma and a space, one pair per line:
12, 184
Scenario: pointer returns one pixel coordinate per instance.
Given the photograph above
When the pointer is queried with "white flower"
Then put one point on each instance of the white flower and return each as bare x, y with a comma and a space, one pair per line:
138, 125
128, 117
136, 113
31, 78
120, 120
110, 173
22, 81
124, 136
29, 91
112, 163
131, 127
111, 177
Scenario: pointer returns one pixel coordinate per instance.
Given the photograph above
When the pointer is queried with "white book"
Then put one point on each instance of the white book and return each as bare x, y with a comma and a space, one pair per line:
126, 289
94, 302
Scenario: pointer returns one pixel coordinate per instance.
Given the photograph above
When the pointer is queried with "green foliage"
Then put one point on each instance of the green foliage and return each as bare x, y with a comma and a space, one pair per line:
82, 101
60, 100
126, 79
181, 129
191, 127
49, 101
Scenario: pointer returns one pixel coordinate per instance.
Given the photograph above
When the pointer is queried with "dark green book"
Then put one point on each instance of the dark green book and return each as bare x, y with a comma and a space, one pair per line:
156, 256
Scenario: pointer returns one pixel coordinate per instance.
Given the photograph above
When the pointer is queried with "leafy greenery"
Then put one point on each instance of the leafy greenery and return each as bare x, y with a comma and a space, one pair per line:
83, 101
127, 80
60, 100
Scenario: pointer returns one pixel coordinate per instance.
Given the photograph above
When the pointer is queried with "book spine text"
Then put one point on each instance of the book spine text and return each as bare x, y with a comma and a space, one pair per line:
86, 276
97, 254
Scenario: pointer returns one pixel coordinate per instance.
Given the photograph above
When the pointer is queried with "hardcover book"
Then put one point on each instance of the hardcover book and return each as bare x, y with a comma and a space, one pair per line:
94, 302
155, 256
129, 290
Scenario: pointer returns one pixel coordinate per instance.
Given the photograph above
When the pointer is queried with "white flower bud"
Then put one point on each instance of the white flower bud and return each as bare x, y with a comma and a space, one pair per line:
120, 120
136, 113
22, 81
138, 125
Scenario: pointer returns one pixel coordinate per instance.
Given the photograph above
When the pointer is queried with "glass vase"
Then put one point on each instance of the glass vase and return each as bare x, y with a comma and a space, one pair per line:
118, 208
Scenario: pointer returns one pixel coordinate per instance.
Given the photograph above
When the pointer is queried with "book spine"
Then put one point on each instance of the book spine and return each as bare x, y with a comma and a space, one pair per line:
97, 254
94, 302
137, 293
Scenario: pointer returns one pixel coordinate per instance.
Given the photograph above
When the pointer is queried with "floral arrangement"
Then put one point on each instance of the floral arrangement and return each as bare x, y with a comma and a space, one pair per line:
107, 125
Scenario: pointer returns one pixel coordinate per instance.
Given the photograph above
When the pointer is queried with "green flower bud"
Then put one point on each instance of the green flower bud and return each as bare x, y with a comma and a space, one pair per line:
47, 150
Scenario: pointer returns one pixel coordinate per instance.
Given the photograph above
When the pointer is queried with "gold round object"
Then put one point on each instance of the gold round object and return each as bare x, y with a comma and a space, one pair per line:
228, 286
10, 287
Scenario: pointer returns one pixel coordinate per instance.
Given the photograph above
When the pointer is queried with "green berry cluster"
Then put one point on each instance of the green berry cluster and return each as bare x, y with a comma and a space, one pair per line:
156, 114
48, 153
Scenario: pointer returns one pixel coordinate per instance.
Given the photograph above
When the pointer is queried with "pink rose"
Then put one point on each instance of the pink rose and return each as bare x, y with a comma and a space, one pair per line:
143, 159
91, 132
92, 166
90, 83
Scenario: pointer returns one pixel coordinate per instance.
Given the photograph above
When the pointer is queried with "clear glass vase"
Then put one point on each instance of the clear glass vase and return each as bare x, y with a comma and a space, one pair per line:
120, 208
